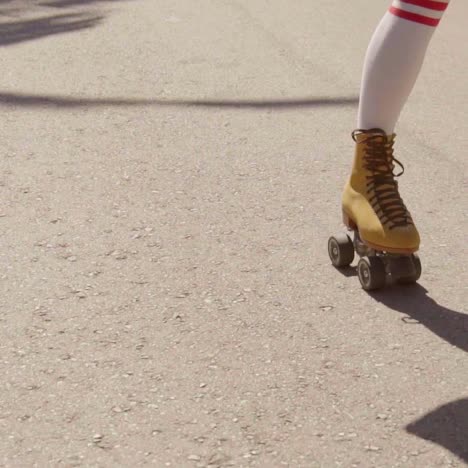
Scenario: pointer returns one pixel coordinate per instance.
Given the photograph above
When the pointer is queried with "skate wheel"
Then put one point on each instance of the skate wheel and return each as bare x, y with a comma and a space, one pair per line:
341, 250
372, 273
415, 273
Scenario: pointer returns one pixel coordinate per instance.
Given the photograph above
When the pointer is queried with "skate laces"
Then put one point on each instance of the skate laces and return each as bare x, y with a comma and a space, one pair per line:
381, 184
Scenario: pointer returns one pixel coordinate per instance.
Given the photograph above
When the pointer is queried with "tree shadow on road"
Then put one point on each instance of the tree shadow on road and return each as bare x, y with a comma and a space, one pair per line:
18, 100
27, 30
446, 426
71, 3
75, 15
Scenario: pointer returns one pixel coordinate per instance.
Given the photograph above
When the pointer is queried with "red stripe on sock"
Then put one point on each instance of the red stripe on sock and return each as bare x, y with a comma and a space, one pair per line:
430, 4
421, 19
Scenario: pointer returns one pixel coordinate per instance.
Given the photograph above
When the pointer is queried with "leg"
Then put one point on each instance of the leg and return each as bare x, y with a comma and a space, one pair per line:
385, 236
394, 59
371, 200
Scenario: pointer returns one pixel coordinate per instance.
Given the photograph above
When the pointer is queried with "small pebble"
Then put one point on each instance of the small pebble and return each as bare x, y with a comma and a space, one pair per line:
372, 448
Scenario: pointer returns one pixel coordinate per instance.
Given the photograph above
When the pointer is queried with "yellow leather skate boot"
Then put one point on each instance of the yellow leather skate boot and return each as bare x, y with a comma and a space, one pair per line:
371, 201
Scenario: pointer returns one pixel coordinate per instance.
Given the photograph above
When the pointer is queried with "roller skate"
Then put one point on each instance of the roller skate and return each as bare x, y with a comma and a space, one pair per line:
383, 233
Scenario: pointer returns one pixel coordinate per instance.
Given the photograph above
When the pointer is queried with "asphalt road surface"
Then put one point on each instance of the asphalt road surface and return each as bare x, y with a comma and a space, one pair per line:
170, 171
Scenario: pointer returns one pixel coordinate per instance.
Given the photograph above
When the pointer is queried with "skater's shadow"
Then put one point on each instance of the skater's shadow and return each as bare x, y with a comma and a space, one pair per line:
446, 426
419, 308
349, 271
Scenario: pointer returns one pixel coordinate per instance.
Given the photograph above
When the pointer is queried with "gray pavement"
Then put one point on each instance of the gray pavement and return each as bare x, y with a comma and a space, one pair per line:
170, 172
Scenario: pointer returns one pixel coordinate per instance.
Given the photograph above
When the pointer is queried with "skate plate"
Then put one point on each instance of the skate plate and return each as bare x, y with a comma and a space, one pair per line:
375, 268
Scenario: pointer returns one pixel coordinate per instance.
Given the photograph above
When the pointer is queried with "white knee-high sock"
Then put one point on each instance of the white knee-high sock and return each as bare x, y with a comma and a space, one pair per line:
394, 59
